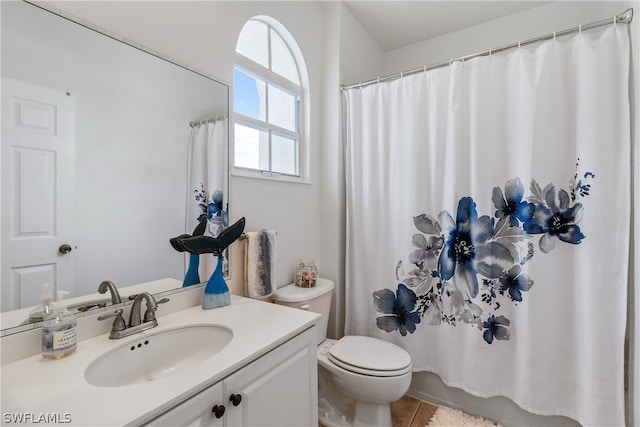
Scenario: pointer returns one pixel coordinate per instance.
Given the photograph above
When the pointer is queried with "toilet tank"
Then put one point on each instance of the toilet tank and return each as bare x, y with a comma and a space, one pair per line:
316, 299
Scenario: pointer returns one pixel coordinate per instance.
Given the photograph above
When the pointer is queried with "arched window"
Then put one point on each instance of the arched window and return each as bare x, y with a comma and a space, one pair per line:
268, 101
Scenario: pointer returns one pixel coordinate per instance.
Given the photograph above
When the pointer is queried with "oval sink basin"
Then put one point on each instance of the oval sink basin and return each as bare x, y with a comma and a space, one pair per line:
157, 355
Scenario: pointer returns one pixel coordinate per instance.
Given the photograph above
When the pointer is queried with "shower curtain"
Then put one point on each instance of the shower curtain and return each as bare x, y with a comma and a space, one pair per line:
206, 186
488, 221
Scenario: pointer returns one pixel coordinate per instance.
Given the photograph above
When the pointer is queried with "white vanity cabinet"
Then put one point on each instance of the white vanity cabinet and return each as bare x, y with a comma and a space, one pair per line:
277, 389
200, 410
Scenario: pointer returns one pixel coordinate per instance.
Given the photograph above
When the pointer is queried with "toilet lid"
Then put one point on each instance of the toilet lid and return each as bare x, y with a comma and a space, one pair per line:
370, 356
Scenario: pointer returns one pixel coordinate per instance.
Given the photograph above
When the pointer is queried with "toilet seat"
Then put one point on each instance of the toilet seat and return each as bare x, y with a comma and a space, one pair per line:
369, 356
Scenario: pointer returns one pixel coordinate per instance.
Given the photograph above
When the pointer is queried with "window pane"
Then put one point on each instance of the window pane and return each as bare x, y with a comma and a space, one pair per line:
254, 42
249, 95
282, 108
284, 154
251, 147
282, 60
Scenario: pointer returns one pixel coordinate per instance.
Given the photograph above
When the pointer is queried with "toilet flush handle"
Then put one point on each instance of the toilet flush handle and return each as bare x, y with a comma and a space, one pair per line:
304, 307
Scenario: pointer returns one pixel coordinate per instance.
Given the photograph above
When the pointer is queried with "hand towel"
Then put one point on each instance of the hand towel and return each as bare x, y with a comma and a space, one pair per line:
260, 263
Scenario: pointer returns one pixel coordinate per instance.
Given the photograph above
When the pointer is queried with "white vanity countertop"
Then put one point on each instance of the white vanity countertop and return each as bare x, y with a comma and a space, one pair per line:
37, 386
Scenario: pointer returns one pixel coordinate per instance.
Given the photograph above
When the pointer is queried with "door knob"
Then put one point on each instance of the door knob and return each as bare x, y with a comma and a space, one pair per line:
235, 399
218, 411
64, 249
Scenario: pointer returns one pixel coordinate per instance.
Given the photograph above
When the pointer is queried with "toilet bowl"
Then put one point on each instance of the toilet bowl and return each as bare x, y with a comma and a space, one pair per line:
358, 376
370, 371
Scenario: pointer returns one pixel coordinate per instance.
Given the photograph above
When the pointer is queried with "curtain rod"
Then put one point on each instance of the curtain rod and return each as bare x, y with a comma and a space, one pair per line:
205, 121
623, 18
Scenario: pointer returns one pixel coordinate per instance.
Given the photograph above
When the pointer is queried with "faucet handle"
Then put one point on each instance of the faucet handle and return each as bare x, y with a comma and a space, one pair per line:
149, 314
118, 322
162, 301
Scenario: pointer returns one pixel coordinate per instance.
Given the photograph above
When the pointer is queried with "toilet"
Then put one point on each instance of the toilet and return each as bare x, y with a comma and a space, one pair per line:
358, 376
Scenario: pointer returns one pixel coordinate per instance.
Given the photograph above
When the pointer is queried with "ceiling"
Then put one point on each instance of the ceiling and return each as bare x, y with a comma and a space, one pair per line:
395, 24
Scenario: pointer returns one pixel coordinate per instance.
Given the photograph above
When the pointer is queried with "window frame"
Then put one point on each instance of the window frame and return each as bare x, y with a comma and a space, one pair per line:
271, 78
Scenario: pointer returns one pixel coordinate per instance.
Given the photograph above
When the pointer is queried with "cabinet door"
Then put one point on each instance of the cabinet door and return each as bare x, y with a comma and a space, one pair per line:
201, 410
279, 389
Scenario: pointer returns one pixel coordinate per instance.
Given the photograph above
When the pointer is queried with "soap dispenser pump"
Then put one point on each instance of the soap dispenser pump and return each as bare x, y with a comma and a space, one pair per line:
44, 310
59, 331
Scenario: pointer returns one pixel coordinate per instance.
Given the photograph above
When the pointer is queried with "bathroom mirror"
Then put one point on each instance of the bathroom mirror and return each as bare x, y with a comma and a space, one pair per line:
107, 199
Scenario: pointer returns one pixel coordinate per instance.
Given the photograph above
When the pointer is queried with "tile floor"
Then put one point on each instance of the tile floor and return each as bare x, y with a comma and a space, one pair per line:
410, 412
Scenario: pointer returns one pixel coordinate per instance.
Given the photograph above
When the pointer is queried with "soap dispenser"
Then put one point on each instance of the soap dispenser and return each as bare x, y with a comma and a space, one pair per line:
43, 311
59, 331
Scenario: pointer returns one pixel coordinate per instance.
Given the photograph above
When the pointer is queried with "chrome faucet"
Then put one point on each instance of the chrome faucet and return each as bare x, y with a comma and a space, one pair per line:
137, 323
149, 314
105, 286
108, 285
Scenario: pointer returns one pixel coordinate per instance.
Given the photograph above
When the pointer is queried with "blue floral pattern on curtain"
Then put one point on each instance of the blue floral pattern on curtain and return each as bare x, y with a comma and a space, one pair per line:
465, 269
208, 208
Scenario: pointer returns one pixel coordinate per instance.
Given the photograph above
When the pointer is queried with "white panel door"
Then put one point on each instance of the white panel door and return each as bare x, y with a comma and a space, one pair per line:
279, 389
38, 168
202, 410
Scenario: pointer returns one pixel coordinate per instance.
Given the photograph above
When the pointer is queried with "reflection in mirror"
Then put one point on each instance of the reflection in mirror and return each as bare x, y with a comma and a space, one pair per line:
94, 161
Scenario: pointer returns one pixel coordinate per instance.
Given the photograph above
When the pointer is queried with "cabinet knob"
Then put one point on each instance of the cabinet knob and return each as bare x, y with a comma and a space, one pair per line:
218, 411
235, 399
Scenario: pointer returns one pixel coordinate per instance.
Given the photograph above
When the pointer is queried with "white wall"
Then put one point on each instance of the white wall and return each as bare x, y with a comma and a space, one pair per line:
203, 35
542, 20
331, 192
360, 56
349, 54
531, 23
